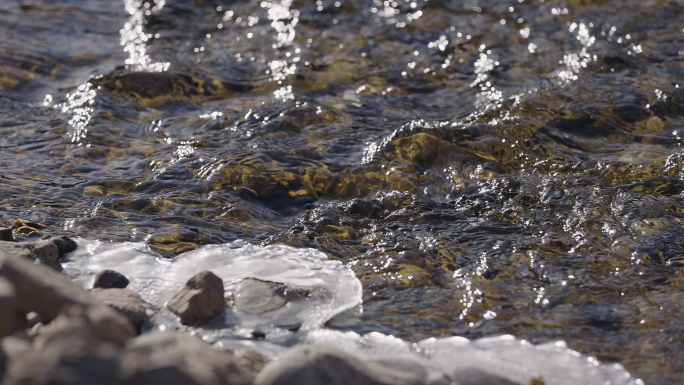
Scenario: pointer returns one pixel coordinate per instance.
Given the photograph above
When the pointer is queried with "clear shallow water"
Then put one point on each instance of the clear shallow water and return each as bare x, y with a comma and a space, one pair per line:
516, 165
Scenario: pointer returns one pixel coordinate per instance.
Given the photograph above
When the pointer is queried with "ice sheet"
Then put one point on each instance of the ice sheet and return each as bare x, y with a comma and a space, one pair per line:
157, 279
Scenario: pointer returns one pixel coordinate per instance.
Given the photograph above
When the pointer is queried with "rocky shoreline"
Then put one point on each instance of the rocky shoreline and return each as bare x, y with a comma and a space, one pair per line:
53, 331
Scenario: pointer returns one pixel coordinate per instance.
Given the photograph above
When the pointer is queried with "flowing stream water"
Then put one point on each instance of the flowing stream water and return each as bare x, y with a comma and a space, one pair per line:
463, 169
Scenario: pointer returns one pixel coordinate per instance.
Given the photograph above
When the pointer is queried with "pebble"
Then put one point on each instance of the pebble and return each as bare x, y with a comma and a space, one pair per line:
200, 299
110, 279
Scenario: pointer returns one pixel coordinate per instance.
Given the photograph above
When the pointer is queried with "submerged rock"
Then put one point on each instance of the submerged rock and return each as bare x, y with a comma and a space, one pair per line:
22, 222
322, 365
200, 299
254, 296
7, 299
110, 279
41, 252
126, 302
181, 359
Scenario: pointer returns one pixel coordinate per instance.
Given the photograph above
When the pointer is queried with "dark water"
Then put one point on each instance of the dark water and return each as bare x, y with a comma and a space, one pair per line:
486, 167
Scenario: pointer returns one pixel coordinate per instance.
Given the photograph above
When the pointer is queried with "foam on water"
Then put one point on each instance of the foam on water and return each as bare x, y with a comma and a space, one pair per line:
157, 279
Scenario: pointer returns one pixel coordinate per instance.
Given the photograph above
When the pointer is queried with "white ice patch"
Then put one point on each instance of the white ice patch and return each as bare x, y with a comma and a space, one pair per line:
440, 359
157, 279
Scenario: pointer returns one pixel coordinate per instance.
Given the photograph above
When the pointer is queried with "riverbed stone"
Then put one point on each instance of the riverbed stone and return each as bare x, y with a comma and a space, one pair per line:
7, 300
64, 244
200, 299
126, 302
256, 296
324, 365
23, 222
40, 252
6, 234
39, 288
110, 279
182, 359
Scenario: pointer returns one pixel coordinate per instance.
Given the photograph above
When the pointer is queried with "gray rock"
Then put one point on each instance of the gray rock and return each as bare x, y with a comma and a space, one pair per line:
322, 365
110, 279
70, 351
47, 253
254, 296
181, 359
200, 299
473, 376
39, 288
40, 252
6, 234
7, 312
64, 244
126, 302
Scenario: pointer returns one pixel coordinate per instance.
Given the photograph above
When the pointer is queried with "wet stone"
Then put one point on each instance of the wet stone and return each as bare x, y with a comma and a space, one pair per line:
64, 244
368, 208
35, 225
110, 279
28, 231
254, 296
200, 299
6, 234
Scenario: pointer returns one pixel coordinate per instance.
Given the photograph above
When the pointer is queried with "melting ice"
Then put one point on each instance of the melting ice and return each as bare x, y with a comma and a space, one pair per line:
157, 279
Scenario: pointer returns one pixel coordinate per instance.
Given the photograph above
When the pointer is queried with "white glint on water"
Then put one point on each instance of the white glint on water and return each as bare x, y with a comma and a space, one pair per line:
157, 279
135, 40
